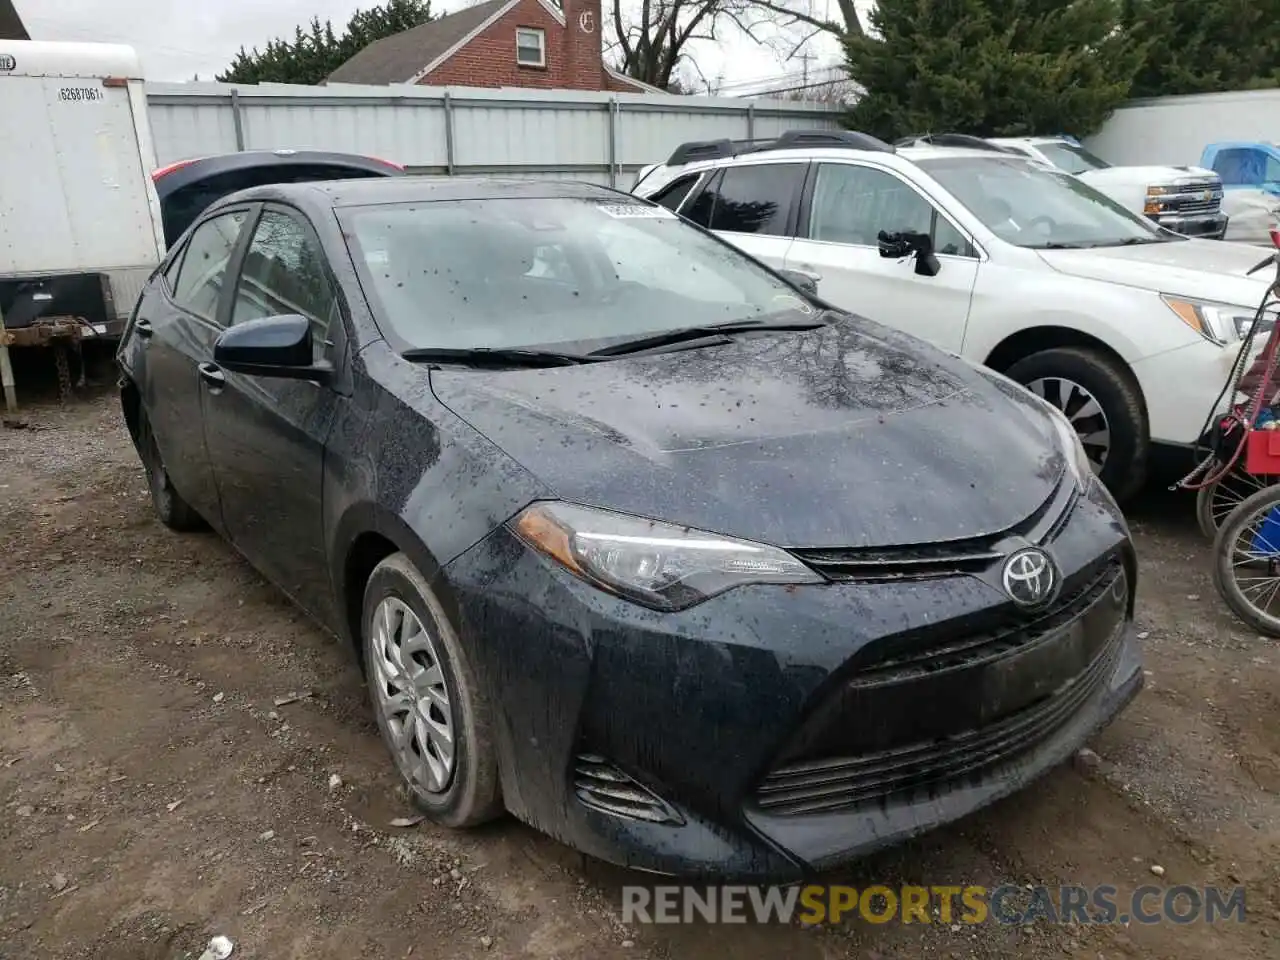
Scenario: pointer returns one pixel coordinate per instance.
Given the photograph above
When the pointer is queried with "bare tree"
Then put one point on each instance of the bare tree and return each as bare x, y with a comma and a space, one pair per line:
795, 25
652, 41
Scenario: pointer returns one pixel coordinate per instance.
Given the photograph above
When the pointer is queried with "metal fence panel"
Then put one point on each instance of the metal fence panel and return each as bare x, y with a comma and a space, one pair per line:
603, 137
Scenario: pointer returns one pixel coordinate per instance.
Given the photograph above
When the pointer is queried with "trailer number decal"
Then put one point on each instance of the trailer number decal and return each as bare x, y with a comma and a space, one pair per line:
7, 63
81, 93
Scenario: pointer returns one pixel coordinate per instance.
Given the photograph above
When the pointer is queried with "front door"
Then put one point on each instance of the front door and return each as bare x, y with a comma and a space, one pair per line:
266, 436
174, 330
845, 208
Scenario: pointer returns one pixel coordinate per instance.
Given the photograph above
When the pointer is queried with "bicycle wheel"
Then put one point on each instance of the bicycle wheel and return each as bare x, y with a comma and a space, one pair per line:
1218, 499
1246, 561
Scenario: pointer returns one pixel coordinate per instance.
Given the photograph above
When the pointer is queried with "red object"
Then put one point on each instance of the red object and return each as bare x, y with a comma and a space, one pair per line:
1262, 453
157, 174
1275, 236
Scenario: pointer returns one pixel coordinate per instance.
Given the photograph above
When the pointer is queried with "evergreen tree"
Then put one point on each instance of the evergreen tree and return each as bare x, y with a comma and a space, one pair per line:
317, 51
1202, 47
991, 67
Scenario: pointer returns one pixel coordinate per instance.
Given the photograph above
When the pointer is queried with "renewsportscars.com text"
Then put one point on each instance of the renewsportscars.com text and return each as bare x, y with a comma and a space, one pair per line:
1007, 904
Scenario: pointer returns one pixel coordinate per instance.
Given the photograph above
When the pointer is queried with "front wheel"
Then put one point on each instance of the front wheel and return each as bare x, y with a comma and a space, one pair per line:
1246, 561
1100, 398
428, 702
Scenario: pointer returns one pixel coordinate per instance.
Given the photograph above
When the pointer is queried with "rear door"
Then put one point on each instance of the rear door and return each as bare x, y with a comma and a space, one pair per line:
753, 206
178, 319
844, 208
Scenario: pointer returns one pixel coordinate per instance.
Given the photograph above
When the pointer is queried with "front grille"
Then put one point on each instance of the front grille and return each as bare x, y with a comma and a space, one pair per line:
895, 663
947, 559
1194, 206
1191, 198
601, 785
842, 784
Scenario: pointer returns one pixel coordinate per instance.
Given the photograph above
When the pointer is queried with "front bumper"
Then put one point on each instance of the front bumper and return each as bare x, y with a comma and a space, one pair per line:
1183, 386
1207, 226
770, 732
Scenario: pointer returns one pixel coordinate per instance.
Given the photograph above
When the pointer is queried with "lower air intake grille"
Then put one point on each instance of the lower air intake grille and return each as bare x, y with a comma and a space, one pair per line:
602, 786
846, 783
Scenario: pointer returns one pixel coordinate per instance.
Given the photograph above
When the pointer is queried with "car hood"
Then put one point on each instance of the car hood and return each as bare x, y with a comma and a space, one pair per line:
1204, 269
847, 435
1150, 175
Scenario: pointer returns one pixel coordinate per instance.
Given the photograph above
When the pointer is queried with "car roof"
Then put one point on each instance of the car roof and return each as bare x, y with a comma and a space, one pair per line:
911, 154
423, 189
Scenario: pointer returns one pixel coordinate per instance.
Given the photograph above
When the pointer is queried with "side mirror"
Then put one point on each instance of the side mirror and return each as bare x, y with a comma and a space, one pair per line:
803, 281
277, 346
897, 246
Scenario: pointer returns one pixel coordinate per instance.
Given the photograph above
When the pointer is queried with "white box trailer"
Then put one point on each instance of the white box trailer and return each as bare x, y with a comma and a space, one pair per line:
80, 224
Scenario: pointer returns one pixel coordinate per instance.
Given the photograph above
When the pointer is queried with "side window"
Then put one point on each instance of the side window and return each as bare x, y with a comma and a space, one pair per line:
171, 271
673, 194
284, 272
202, 272
756, 198
852, 204
699, 210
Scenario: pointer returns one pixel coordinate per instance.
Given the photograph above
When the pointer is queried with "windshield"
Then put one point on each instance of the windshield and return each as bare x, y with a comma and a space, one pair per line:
508, 273
1030, 206
1071, 158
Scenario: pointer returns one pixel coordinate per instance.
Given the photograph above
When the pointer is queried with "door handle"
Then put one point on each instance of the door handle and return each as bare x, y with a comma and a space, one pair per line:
211, 375
142, 326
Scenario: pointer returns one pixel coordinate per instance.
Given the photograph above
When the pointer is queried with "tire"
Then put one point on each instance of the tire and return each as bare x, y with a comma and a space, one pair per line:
1068, 376
1224, 560
174, 512
406, 698
1216, 501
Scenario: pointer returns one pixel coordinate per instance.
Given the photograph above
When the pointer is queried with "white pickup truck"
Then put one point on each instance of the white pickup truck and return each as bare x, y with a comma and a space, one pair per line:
1187, 200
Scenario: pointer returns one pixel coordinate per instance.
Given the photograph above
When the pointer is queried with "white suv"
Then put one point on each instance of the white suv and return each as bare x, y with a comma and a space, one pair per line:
1130, 329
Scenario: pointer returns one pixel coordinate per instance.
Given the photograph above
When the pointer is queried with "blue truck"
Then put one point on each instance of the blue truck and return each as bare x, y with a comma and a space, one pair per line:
1250, 172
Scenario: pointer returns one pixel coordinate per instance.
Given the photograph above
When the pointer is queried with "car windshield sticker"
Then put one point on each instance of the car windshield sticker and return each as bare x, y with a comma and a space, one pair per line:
623, 211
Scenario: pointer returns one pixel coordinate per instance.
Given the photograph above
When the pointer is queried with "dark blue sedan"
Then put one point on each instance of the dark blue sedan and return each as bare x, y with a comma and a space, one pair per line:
635, 538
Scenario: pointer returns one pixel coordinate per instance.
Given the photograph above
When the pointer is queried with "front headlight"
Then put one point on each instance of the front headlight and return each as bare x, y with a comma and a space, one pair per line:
659, 565
1218, 323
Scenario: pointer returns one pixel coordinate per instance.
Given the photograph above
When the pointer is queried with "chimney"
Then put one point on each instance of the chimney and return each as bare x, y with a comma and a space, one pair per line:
584, 66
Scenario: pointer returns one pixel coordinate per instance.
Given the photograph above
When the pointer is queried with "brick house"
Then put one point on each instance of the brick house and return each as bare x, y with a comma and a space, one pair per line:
499, 43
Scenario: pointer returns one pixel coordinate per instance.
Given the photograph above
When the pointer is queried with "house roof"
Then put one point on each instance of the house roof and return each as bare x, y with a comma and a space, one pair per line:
408, 57
11, 27
400, 57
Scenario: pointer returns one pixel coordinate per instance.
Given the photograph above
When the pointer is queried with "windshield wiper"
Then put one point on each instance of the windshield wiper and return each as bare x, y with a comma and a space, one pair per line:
1133, 241
712, 331
1064, 245
492, 356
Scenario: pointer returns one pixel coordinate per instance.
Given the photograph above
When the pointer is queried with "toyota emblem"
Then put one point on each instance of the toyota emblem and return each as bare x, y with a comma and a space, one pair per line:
1030, 578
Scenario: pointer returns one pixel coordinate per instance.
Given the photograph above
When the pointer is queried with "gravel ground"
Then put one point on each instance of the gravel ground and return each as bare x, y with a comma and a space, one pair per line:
155, 788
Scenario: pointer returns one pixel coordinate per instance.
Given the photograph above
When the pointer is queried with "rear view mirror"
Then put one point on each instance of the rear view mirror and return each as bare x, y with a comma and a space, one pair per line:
898, 246
803, 281
277, 346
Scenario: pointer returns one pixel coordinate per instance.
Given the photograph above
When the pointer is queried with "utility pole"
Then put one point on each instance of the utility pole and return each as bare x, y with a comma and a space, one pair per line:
804, 67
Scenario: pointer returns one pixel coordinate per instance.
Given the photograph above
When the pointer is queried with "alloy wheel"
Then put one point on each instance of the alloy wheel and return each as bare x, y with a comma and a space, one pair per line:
1083, 410
413, 696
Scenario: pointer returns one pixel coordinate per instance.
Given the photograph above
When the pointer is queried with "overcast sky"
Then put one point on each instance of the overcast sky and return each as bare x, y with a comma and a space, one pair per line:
178, 39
